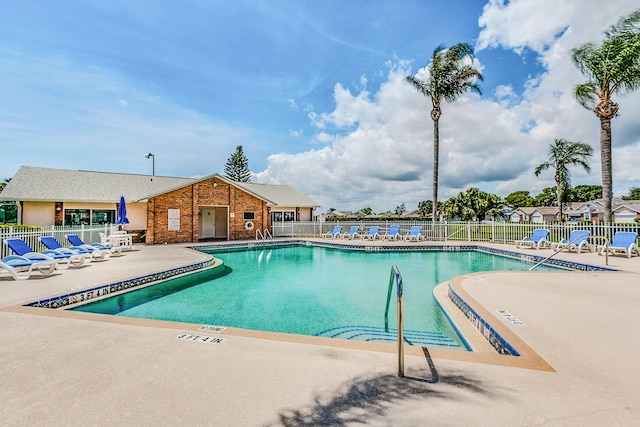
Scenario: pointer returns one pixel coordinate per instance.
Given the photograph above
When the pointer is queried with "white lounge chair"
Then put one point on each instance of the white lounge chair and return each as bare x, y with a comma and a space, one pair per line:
577, 241
97, 250
353, 231
333, 233
537, 240
64, 261
415, 233
20, 268
371, 233
392, 234
625, 242
51, 243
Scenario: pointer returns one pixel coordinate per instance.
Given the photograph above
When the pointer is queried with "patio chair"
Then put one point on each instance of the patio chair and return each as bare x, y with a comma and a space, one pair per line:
371, 233
625, 242
333, 233
353, 231
97, 250
20, 268
578, 240
415, 233
537, 240
51, 243
64, 261
392, 234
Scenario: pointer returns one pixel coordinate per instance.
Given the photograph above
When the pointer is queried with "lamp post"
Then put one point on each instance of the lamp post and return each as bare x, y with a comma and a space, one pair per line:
153, 162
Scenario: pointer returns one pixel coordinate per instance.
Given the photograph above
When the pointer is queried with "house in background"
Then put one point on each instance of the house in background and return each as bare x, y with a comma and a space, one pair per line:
166, 209
624, 211
535, 214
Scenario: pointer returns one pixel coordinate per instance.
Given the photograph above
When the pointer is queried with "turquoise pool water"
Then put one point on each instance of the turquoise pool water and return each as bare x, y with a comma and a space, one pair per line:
311, 291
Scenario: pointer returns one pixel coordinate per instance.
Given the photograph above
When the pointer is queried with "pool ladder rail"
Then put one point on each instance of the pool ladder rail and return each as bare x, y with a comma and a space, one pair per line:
560, 249
263, 236
397, 277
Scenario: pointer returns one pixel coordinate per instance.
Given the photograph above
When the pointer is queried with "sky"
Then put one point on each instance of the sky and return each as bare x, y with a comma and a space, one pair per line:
314, 91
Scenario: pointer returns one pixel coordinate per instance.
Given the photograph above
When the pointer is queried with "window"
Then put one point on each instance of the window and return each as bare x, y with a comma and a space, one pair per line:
8, 213
89, 216
283, 216
249, 216
102, 216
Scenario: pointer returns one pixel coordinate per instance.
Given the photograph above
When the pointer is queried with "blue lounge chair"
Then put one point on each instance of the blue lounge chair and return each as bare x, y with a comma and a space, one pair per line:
371, 233
51, 243
625, 242
353, 230
415, 233
64, 261
20, 268
393, 233
578, 240
537, 240
333, 233
97, 250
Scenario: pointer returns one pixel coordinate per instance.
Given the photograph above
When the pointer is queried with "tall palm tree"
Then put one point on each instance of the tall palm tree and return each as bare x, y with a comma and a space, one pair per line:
451, 74
562, 154
612, 67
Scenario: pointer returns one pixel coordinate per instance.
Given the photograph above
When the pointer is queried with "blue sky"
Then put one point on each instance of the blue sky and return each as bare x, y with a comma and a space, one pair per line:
313, 91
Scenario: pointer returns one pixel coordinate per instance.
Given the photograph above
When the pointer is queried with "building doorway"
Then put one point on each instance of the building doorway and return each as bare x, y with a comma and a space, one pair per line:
213, 223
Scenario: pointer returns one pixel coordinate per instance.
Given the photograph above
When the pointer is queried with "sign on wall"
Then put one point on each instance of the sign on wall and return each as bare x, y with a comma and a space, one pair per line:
174, 219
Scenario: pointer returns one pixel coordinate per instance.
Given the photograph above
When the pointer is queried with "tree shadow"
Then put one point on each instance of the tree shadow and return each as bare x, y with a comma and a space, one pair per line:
364, 399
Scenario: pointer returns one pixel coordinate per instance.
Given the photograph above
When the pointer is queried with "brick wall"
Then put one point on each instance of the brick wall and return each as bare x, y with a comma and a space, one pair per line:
211, 192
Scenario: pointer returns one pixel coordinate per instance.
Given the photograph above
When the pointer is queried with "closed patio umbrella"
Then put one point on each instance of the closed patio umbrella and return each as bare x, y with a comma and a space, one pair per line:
122, 212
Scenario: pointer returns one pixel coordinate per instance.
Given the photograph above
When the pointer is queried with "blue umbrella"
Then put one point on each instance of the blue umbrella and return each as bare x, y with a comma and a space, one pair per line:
122, 212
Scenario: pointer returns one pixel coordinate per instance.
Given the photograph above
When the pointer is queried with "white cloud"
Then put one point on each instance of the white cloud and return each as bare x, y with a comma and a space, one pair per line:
379, 144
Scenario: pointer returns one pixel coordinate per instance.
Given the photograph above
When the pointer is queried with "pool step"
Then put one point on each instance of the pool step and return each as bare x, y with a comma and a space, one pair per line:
372, 333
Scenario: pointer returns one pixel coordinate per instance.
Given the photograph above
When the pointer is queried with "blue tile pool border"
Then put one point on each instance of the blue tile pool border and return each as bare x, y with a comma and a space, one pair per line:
571, 265
484, 327
71, 298
490, 334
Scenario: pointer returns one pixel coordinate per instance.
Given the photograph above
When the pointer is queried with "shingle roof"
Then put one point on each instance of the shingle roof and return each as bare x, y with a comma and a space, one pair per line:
47, 184
279, 195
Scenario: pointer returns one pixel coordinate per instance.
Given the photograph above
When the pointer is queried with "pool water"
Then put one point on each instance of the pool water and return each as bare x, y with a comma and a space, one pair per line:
311, 291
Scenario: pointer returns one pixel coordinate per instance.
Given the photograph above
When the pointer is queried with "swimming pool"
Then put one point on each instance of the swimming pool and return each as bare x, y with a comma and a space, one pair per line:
311, 291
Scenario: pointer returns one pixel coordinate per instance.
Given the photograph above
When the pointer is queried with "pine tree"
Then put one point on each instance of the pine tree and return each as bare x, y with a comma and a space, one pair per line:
237, 167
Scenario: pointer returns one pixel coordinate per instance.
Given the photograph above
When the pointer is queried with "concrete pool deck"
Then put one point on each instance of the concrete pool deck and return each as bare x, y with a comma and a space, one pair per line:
66, 368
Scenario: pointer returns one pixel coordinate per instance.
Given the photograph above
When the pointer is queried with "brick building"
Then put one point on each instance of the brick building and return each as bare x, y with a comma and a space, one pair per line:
164, 209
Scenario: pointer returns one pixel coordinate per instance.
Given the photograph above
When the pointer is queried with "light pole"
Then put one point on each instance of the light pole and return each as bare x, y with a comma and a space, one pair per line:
153, 164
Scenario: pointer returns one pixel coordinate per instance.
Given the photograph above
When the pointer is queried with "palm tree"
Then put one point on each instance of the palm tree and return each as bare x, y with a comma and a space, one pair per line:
613, 66
474, 205
562, 154
451, 74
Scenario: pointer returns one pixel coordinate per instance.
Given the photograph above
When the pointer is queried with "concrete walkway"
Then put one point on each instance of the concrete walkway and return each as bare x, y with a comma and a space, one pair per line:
62, 368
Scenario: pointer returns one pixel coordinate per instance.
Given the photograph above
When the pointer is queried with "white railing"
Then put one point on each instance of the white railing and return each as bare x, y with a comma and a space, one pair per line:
87, 233
492, 231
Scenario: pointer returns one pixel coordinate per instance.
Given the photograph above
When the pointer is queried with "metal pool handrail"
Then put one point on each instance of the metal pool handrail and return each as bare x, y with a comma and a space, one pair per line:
265, 236
395, 274
558, 250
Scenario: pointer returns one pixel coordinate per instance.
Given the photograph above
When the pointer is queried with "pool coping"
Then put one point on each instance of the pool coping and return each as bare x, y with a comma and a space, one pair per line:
525, 358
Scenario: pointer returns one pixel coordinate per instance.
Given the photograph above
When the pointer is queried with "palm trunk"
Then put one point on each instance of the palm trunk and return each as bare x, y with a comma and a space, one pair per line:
560, 201
605, 154
436, 154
